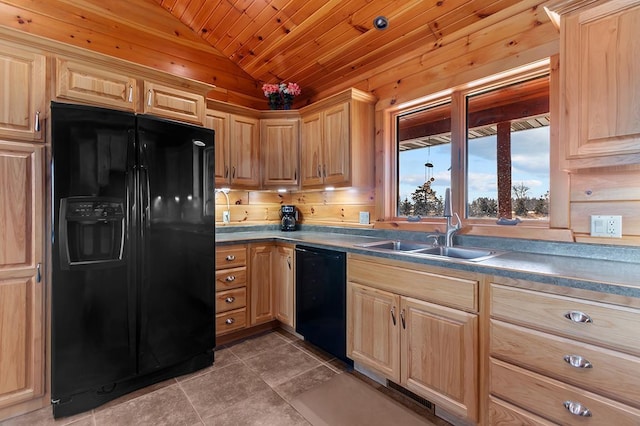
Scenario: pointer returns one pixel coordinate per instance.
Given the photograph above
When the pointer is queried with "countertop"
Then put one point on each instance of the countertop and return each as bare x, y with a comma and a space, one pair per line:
588, 273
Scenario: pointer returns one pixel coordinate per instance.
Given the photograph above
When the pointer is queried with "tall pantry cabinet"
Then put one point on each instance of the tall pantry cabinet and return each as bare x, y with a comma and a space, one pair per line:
22, 159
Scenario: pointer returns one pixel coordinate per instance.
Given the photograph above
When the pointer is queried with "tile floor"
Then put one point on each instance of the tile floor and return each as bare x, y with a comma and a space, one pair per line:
250, 383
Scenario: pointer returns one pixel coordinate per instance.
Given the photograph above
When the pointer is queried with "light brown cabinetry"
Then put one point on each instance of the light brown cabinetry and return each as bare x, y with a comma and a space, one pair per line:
84, 81
564, 359
279, 139
22, 326
231, 288
337, 141
170, 102
219, 122
407, 323
261, 286
22, 99
600, 79
284, 284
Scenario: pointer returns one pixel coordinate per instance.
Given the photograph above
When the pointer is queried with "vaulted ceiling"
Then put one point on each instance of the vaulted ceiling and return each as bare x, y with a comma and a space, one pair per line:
323, 45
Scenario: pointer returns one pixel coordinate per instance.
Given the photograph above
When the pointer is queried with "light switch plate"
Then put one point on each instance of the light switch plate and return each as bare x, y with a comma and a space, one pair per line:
606, 226
364, 218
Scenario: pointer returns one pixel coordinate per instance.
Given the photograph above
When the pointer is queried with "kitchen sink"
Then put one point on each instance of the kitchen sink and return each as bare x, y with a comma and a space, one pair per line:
429, 250
408, 246
473, 254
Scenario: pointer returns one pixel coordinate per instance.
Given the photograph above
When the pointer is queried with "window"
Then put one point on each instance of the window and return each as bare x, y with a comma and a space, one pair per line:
505, 141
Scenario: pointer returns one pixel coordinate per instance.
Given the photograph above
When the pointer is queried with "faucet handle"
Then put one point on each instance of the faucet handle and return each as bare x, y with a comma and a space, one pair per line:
458, 224
436, 239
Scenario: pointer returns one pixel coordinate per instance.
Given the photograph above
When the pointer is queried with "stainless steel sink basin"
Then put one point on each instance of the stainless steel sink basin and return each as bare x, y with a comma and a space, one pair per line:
425, 249
459, 253
396, 245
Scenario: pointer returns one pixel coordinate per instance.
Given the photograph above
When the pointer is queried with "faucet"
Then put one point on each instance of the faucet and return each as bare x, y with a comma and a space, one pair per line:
451, 228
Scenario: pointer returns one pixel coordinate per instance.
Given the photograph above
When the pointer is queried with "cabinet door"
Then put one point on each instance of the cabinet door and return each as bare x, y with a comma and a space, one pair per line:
261, 294
337, 145
373, 329
219, 122
601, 68
439, 355
21, 289
284, 284
79, 81
244, 143
279, 140
311, 160
22, 99
170, 102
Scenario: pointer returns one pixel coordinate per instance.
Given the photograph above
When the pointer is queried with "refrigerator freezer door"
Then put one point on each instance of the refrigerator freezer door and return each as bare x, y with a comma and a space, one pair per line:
93, 287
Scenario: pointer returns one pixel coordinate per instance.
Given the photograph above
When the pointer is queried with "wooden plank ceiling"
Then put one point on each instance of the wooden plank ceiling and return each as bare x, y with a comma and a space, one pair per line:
323, 45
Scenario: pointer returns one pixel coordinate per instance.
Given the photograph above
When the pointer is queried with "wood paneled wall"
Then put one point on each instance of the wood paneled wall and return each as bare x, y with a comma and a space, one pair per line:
606, 192
340, 207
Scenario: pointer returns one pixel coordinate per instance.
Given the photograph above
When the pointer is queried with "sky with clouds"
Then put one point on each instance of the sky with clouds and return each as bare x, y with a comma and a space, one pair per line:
529, 165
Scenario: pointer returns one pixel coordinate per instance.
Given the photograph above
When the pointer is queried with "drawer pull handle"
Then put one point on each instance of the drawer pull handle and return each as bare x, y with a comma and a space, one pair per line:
577, 409
577, 361
393, 315
229, 321
404, 324
232, 299
577, 316
230, 278
230, 258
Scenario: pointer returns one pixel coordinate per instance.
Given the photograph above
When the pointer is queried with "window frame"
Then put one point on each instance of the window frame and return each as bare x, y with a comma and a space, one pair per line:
457, 96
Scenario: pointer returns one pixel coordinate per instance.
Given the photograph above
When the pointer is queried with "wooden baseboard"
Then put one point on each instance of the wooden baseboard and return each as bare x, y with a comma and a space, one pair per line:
246, 332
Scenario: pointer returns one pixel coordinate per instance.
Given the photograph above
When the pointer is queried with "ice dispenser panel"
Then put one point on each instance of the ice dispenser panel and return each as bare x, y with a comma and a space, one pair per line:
92, 231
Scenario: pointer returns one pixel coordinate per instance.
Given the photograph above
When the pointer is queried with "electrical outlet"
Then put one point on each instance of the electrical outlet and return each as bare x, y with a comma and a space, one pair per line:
226, 216
364, 218
606, 226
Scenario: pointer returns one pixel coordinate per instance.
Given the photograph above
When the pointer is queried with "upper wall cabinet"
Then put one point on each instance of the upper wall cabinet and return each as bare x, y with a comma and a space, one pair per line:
84, 82
279, 140
114, 87
219, 122
337, 141
22, 99
170, 102
600, 69
244, 136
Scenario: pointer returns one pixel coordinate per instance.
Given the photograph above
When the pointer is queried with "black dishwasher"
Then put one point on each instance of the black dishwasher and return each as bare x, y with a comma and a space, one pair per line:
321, 293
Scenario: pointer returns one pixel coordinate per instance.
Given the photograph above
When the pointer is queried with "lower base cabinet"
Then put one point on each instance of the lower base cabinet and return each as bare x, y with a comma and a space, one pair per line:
562, 360
284, 284
428, 348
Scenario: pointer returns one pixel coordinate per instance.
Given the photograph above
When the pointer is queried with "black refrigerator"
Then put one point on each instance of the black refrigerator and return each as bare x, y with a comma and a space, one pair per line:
133, 285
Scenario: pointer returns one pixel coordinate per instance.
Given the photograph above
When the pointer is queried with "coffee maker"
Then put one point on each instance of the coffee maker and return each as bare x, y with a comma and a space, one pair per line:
288, 218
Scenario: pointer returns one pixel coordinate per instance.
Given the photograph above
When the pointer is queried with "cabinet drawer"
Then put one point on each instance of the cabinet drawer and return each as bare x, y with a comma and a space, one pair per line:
231, 278
231, 257
443, 289
547, 397
230, 321
608, 325
504, 414
612, 373
231, 299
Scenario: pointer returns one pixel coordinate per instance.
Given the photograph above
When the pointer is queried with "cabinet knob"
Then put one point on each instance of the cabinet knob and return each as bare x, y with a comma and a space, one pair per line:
229, 321
230, 258
230, 278
577, 316
577, 409
230, 299
577, 361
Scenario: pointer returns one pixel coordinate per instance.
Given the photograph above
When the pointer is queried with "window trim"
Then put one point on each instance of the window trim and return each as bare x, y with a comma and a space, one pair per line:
457, 96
